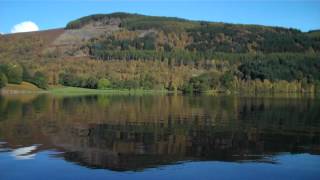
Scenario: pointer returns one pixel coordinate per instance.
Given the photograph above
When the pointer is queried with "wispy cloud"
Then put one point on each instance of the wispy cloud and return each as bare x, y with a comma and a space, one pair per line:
26, 26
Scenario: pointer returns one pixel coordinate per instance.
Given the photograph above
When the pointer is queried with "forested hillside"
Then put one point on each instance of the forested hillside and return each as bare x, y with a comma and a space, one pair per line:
132, 51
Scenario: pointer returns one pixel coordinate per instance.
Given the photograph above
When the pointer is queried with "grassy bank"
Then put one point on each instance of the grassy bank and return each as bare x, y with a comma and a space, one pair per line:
22, 88
27, 88
81, 91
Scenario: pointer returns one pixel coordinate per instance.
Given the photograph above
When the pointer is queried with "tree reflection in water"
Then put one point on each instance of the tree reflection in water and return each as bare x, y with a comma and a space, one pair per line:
136, 132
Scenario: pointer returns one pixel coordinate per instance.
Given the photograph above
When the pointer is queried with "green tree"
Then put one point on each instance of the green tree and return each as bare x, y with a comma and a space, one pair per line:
317, 87
68, 79
131, 84
187, 88
40, 80
227, 81
103, 83
3, 80
14, 73
92, 83
26, 76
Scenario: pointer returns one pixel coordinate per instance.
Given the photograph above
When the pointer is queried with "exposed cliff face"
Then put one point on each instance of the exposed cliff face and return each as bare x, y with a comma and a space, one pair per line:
72, 41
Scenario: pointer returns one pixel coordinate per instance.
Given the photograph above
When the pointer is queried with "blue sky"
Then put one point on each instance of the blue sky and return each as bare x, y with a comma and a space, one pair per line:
47, 14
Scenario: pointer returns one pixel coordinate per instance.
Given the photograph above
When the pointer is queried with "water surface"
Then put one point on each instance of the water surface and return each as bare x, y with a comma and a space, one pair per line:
159, 137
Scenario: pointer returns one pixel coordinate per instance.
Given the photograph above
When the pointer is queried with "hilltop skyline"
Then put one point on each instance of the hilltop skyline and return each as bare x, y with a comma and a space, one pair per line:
32, 15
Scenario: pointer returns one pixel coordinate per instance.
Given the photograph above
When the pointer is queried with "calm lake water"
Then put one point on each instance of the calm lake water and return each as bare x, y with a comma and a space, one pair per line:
159, 137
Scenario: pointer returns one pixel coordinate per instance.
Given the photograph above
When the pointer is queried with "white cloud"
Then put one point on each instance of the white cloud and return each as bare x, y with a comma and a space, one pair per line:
26, 26
24, 153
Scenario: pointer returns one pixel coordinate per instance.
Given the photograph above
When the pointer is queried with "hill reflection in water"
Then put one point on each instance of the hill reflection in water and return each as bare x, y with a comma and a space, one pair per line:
124, 133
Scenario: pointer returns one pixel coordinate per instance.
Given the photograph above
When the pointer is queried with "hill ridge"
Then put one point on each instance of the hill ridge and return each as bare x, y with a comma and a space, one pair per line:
151, 52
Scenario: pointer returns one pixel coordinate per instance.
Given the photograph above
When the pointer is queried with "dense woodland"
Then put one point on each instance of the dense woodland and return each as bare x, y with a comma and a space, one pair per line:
175, 54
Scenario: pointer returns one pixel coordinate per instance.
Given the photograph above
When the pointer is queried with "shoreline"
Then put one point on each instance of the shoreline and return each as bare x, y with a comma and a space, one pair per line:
83, 91
86, 91
75, 91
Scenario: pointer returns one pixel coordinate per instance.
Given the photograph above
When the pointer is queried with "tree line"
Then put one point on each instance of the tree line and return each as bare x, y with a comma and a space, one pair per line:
15, 73
234, 73
74, 80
